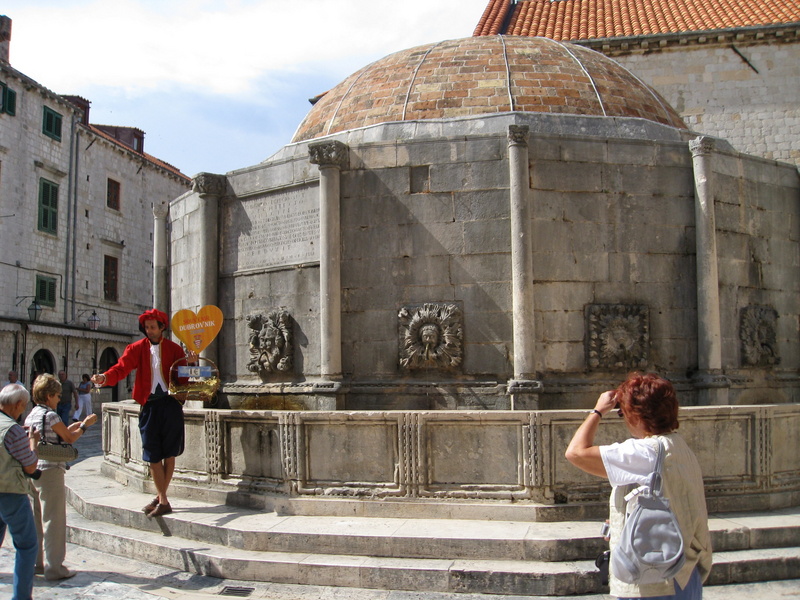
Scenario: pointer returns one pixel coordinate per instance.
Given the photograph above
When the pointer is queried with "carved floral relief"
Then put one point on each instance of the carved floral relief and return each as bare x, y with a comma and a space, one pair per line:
271, 342
758, 328
618, 336
431, 337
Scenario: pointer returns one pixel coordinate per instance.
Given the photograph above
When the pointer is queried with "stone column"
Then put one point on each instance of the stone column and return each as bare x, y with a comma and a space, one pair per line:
160, 267
331, 157
524, 387
210, 188
711, 384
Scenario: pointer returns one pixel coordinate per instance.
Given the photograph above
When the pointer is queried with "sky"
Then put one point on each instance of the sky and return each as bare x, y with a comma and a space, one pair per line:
216, 85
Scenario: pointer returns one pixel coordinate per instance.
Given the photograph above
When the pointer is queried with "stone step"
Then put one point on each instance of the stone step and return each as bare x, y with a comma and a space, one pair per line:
508, 557
510, 577
315, 568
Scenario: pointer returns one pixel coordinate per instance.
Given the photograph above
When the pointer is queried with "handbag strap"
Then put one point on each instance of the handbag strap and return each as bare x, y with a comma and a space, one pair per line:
44, 431
656, 477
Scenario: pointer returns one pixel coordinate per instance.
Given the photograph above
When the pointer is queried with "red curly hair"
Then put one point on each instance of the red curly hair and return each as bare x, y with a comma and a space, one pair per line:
651, 399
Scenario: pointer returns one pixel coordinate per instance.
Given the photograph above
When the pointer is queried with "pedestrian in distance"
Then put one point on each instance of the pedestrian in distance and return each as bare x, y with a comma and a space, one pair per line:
649, 407
84, 398
69, 398
161, 416
13, 377
48, 492
17, 464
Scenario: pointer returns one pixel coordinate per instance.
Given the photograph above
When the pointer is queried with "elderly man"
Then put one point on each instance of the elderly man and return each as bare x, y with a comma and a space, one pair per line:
17, 464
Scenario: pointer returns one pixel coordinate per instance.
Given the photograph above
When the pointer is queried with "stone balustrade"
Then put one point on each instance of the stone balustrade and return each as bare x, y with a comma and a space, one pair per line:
748, 455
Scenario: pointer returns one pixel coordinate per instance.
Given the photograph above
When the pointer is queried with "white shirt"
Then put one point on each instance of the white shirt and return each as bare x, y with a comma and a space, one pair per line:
155, 368
630, 461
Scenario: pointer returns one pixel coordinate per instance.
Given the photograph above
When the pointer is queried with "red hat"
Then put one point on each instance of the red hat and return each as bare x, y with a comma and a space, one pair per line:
156, 314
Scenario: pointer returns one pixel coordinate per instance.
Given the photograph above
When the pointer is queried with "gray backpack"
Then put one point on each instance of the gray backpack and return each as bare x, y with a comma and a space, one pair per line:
650, 549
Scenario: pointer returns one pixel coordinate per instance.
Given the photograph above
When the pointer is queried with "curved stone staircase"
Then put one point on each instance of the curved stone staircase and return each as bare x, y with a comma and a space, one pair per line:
467, 547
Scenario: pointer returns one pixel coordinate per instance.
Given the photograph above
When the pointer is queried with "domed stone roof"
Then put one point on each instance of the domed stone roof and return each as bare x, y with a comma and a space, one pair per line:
482, 76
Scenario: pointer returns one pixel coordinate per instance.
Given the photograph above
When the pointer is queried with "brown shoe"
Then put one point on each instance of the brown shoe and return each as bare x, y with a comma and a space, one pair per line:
150, 506
160, 510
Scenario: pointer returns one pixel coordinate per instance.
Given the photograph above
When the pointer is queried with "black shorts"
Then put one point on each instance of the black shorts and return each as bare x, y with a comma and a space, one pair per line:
161, 427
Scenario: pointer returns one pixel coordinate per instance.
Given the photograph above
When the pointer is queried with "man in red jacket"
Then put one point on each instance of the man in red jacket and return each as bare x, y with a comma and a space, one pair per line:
161, 415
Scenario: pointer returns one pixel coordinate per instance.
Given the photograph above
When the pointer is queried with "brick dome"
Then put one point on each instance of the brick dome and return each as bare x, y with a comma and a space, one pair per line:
485, 75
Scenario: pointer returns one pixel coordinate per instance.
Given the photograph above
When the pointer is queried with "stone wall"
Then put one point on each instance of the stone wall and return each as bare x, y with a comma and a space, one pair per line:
264, 458
425, 232
747, 98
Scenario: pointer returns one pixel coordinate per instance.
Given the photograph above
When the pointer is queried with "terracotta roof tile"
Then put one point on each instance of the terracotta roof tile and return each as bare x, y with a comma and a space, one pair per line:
484, 75
593, 19
148, 157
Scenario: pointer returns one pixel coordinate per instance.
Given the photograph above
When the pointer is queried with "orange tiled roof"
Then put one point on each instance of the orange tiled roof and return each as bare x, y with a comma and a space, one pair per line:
593, 19
148, 157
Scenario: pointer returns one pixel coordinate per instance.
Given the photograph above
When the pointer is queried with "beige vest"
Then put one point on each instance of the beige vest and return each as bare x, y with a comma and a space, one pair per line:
12, 478
683, 485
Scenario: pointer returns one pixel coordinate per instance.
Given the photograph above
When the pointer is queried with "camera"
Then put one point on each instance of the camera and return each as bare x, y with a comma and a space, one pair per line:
602, 562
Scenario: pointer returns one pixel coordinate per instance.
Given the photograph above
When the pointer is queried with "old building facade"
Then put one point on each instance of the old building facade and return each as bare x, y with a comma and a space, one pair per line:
76, 206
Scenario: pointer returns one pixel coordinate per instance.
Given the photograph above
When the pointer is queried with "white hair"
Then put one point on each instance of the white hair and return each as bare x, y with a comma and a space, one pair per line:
13, 394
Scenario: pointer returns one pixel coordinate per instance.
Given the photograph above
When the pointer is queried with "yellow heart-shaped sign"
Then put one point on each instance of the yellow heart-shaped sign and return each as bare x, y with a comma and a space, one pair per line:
197, 330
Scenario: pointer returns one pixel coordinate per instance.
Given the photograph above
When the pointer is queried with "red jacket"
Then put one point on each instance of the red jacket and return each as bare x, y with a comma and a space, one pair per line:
137, 356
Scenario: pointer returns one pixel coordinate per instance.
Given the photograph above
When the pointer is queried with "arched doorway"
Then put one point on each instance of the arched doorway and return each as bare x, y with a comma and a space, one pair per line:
108, 359
43, 362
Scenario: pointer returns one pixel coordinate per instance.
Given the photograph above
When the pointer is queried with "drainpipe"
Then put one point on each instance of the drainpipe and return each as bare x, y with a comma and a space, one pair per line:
72, 209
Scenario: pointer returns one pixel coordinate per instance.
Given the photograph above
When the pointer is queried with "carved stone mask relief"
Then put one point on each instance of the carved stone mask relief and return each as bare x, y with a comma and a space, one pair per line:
758, 335
431, 337
271, 342
618, 336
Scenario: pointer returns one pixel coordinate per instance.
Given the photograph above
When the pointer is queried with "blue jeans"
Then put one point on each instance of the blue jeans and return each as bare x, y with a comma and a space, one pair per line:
64, 410
16, 514
692, 591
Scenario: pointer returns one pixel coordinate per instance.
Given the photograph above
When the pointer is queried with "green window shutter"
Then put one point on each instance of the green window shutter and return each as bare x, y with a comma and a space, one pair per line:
48, 206
45, 290
51, 123
10, 102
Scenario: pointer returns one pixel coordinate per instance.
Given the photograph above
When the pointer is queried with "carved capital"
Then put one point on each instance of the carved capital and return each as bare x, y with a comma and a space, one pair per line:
702, 146
518, 135
329, 154
160, 210
210, 184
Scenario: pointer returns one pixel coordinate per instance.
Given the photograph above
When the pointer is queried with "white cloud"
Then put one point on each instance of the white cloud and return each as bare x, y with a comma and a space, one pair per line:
216, 84
218, 47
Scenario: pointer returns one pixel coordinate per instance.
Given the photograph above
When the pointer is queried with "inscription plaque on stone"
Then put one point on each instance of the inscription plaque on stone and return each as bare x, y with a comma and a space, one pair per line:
274, 230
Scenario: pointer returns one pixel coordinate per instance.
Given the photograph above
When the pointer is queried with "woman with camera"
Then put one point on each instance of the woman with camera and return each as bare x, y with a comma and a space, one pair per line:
649, 407
48, 492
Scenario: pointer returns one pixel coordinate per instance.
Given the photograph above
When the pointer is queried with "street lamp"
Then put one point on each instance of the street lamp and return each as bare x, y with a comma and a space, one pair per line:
92, 322
34, 308
34, 311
